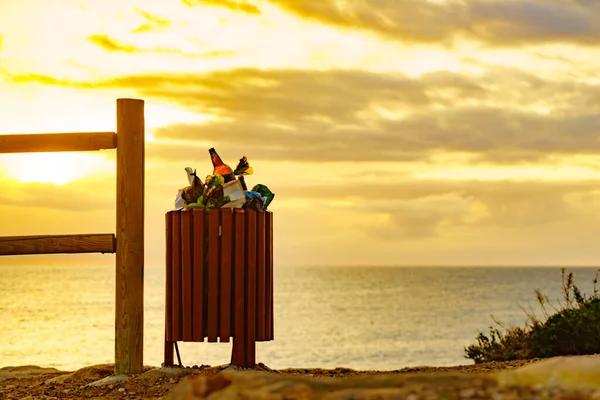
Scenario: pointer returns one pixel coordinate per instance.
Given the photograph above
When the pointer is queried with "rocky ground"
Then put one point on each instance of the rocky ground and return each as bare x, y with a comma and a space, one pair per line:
461, 382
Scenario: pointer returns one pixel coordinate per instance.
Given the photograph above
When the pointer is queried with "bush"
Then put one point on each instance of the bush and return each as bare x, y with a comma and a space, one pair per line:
514, 344
573, 329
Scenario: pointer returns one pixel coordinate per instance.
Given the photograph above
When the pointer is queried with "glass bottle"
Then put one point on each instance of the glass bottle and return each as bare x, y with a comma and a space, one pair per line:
220, 167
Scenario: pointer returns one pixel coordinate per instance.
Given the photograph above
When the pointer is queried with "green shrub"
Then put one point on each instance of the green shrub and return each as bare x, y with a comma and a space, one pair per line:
570, 331
514, 344
573, 329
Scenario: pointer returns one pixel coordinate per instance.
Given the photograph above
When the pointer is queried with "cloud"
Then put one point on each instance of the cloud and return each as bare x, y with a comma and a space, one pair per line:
415, 221
236, 5
378, 205
425, 209
153, 22
340, 115
401, 208
112, 45
333, 115
43, 79
492, 22
109, 44
490, 134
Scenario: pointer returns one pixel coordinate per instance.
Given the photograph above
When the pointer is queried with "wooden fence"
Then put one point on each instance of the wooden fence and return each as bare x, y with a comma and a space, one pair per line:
128, 244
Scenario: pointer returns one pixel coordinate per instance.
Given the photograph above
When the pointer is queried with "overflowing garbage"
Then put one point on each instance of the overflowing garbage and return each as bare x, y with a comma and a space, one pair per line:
225, 188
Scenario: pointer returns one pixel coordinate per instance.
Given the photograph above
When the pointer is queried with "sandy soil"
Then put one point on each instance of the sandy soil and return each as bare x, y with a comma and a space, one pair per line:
31, 382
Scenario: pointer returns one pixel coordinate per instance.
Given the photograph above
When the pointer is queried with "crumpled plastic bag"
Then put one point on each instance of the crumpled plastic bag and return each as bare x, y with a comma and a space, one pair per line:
179, 202
264, 192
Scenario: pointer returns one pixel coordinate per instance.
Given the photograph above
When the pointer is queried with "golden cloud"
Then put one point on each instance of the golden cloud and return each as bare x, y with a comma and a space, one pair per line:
112, 45
153, 22
235, 5
109, 44
494, 23
339, 115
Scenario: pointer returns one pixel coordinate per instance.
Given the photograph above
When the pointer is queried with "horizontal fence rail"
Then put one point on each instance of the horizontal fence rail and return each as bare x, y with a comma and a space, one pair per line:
50, 142
52, 244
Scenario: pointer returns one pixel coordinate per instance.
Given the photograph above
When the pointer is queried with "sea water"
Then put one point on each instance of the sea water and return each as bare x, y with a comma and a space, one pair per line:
379, 318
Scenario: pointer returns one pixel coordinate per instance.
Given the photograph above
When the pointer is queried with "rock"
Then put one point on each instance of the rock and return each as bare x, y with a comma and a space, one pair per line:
581, 373
27, 371
263, 385
468, 393
550, 379
199, 387
109, 381
169, 372
90, 374
531, 380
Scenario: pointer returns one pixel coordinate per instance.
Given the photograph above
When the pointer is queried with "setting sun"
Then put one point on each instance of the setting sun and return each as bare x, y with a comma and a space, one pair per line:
56, 168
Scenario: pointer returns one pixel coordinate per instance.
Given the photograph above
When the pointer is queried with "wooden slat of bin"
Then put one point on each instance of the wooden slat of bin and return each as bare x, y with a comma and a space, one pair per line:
269, 275
213, 275
271, 281
261, 307
226, 247
169, 277
237, 357
176, 283
198, 308
251, 288
186, 274
169, 289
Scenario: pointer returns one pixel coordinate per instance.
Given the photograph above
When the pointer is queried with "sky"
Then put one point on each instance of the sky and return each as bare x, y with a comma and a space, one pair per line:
393, 132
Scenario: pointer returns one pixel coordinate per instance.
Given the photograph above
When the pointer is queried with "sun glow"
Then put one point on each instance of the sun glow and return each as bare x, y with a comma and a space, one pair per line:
56, 168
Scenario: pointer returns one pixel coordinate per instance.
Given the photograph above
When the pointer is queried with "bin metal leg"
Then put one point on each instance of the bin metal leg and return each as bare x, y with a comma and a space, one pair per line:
168, 362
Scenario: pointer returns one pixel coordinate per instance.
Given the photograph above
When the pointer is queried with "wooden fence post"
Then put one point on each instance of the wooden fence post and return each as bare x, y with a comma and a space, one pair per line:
129, 304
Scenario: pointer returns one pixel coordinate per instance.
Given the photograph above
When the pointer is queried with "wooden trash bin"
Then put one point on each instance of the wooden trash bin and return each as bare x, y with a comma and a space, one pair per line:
219, 280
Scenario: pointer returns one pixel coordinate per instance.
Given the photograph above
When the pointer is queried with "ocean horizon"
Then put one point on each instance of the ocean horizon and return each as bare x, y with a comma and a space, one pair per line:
376, 318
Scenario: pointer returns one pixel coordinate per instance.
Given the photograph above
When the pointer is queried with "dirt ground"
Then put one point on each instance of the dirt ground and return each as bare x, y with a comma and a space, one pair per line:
30, 382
